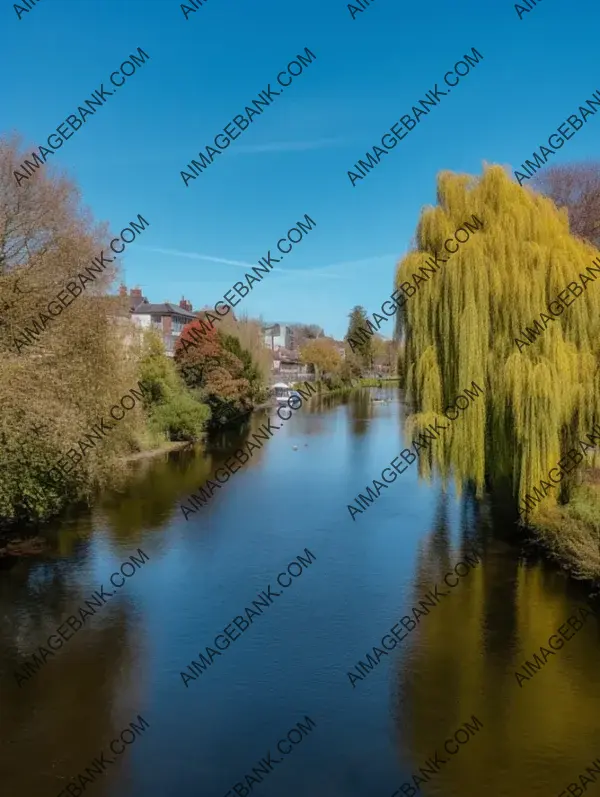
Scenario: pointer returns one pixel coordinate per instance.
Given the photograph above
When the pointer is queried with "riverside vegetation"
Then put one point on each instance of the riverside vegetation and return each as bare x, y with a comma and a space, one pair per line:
56, 390
461, 325
53, 392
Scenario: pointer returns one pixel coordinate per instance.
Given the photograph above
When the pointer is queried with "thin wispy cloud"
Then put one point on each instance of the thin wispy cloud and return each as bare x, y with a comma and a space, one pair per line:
324, 271
197, 256
179, 155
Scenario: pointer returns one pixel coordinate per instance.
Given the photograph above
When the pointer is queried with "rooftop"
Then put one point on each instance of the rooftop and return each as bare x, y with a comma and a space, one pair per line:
166, 308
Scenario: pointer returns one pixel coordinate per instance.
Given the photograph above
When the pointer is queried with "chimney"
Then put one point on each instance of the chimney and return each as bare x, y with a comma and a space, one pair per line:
185, 304
135, 294
123, 291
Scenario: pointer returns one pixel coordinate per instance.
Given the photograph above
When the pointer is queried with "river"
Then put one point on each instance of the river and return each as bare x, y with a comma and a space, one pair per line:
277, 697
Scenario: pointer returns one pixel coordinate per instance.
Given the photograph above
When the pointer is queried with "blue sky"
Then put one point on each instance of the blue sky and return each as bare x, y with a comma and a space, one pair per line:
294, 158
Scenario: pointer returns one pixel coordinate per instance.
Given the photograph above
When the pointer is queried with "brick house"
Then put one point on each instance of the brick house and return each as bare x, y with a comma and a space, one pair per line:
168, 319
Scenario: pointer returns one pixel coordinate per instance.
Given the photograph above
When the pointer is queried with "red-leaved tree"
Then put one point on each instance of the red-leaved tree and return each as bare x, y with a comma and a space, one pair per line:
209, 369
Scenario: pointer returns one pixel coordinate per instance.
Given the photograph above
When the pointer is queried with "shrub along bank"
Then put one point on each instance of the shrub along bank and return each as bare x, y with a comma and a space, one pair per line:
47, 463
55, 447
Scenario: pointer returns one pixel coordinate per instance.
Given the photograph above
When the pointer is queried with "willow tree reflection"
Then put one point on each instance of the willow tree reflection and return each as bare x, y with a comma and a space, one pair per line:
462, 662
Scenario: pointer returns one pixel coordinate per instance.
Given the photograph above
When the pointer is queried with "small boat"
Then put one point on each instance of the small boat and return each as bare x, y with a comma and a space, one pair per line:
282, 392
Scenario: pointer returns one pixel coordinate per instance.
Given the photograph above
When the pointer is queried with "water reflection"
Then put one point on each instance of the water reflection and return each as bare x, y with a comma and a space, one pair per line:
64, 714
535, 738
458, 663
362, 411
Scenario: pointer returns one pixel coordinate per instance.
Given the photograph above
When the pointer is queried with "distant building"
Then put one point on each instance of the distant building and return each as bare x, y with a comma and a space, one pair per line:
135, 297
341, 348
287, 367
202, 313
279, 336
166, 318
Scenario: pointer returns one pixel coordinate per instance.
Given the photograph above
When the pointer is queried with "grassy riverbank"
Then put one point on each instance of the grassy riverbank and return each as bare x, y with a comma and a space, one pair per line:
164, 448
380, 382
570, 534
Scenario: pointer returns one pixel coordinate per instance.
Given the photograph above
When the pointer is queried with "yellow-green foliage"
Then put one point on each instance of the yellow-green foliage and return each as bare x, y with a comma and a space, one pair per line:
462, 323
571, 533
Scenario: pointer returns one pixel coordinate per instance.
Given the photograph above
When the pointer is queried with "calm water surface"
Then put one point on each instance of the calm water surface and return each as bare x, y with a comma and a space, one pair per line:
293, 661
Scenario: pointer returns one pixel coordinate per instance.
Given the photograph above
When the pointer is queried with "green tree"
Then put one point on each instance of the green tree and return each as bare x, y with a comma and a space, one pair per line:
352, 366
249, 371
249, 332
219, 370
385, 354
173, 413
359, 336
250, 378
323, 355
462, 326
59, 379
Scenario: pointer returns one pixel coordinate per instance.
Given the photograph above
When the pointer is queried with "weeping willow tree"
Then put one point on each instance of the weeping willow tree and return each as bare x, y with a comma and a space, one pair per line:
462, 324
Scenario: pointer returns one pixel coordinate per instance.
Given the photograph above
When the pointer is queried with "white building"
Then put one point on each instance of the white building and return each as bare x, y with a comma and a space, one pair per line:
166, 318
278, 336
